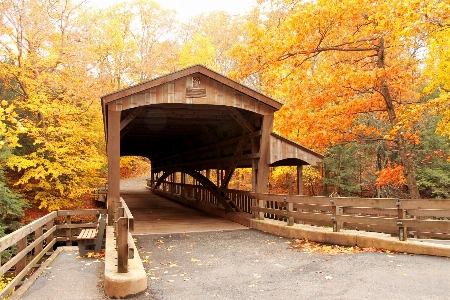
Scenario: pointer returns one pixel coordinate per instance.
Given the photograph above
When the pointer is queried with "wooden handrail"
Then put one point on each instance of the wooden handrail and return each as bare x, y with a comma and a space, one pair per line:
35, 232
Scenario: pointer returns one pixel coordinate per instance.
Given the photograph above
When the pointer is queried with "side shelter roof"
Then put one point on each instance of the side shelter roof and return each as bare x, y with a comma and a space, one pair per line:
196, 118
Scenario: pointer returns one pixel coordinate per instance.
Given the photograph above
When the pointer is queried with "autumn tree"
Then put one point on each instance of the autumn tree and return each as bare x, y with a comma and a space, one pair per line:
153, 32
208, 38
335, 63
437, 70
59, 152
130, 42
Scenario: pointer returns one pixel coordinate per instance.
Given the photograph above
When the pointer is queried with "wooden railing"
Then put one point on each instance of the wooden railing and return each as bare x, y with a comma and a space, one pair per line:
243, 199
408, 218
419, 218
34, 240
123, 225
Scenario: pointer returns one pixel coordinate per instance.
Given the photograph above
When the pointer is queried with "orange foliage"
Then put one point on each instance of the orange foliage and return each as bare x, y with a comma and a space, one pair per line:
391, 175
134, 166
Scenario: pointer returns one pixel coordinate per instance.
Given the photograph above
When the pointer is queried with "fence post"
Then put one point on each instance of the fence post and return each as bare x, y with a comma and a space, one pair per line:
260, 204
335, 211
122, 245
254, 203
290, 205
402, 230
49, 226
22, 263
68, 231
119, 213
290, 208
37, 234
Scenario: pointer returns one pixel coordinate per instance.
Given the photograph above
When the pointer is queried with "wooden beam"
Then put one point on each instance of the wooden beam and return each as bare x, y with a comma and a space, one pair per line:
232, 166
113, 151
222, 160
131, 117
209, 147
255, 149
234, 112
264, 151
299, 180
126, 130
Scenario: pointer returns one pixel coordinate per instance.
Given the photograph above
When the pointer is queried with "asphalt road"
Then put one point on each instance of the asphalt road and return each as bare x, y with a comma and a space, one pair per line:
248, 264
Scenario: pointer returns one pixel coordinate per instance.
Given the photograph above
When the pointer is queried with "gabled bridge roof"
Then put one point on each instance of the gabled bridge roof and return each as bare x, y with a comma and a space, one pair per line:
199, 119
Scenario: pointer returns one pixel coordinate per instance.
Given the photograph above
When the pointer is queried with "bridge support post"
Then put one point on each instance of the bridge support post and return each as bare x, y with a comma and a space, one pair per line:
263, 167
113, 151
290, 206
299, 180
264, 155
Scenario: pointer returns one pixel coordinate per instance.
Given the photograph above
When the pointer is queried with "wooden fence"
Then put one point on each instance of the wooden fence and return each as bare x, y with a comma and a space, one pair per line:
36, 239
420, 218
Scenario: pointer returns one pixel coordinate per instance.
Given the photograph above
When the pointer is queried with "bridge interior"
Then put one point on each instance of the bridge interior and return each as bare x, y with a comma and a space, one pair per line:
154, 214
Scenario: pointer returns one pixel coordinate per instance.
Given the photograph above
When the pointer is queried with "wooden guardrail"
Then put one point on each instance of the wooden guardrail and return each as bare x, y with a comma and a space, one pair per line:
34, 240
243, 199
420, 218
124, 224
424, 218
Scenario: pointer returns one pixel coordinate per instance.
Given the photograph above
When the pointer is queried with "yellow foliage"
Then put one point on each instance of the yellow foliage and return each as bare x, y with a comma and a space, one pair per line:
3, 283
198, 51
134, 166
56, 107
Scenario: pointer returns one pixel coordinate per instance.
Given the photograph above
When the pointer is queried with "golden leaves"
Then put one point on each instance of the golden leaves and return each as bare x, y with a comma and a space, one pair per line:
313, 247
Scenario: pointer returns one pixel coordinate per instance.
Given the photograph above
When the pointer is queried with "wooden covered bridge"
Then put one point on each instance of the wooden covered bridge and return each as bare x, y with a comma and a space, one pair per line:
193, 121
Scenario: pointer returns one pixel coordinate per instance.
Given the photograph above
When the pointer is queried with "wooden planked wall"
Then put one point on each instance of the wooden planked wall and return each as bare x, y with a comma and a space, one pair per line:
175, 92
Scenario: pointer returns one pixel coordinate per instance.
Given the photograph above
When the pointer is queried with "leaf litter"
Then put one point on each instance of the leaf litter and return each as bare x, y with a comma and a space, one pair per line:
306, 246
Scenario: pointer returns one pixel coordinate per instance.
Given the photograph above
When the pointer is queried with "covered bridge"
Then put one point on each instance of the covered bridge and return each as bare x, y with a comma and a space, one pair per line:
195, 120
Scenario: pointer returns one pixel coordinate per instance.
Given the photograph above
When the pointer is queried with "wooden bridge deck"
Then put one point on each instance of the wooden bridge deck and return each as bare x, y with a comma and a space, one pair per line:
154, 214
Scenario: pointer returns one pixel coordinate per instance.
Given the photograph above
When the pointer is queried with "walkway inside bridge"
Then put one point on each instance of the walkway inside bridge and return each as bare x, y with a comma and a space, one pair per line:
155, 214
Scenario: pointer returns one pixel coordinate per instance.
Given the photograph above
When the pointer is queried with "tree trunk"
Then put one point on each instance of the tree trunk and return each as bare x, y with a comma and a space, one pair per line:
399, 139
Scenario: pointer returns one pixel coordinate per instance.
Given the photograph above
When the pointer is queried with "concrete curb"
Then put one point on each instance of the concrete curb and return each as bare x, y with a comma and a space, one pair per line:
350, 238
122, 285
